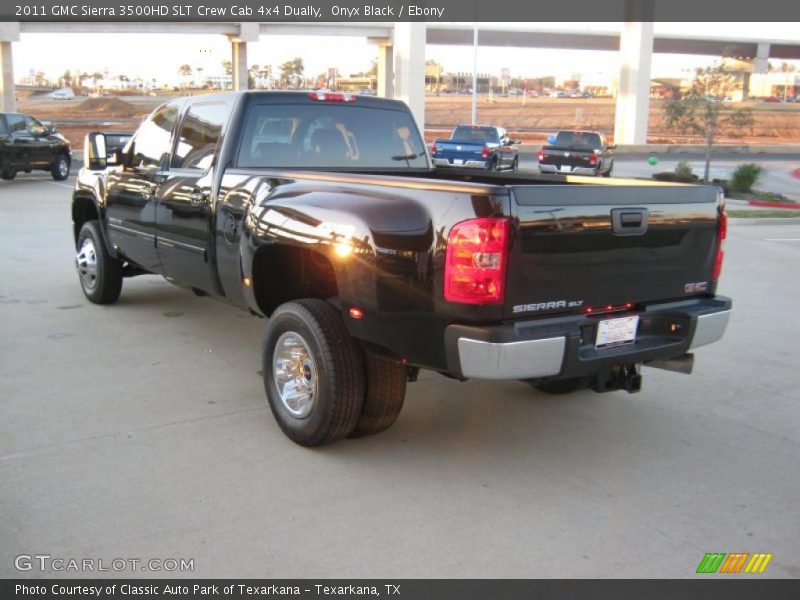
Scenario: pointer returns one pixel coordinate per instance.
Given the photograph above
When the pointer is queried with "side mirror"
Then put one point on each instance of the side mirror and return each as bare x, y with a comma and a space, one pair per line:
94, 151
516, 141
51, 129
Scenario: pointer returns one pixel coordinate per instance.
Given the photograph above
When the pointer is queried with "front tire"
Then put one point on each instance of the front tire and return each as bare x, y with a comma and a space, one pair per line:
515, 165
8, 174
313, 373
100, 273
385, 392
60, 169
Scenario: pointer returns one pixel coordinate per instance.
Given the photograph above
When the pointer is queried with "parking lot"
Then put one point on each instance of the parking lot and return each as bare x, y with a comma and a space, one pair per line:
141, 430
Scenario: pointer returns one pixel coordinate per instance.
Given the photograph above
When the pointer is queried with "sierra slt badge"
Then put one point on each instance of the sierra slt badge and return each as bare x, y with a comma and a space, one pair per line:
552, 305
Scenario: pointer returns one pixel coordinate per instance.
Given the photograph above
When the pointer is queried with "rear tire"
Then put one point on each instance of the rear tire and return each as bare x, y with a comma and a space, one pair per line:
560, 386
313, 373
60, 168
385, 392
100, 273
515, 165
8, 174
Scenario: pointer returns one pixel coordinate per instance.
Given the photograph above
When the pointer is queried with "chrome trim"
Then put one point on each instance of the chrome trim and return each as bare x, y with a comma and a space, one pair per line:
572, 171
116, 227
173, 243
513, 360
710, 328
444, 162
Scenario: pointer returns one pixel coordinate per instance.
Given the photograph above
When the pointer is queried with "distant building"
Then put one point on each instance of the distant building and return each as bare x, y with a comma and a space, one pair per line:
434, 76
356, 84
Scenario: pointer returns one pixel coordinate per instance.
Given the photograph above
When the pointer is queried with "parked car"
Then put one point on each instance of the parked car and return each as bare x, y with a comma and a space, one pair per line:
371, 264
578, 152
27, 145
477, 147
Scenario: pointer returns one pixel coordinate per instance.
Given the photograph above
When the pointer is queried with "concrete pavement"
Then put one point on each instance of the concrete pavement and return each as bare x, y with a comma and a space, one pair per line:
141, 430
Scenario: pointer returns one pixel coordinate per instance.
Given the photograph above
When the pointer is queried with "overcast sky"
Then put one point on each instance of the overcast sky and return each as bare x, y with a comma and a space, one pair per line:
160, 55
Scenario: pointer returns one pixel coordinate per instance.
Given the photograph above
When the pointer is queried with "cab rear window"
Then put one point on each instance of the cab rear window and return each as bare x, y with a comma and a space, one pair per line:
330, 136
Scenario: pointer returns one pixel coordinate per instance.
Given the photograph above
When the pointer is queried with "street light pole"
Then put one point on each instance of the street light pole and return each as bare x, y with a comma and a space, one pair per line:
475, 75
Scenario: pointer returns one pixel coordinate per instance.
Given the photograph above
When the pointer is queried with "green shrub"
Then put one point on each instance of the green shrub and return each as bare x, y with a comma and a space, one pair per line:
683, 171
745, 177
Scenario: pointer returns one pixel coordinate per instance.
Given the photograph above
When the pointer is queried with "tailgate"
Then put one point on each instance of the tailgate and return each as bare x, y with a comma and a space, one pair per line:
566, 157
456, 150
581, 246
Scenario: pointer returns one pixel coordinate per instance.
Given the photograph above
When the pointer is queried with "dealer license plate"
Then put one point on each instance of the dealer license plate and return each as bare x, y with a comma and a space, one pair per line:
613, 332
566, 169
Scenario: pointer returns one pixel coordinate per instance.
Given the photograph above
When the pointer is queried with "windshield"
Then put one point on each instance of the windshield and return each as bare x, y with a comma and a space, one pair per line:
464, 133
330, 136
578, 139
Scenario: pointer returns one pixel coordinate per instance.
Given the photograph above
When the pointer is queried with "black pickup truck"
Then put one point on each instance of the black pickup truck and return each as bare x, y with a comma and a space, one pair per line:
27, 145
578, 152
323, 212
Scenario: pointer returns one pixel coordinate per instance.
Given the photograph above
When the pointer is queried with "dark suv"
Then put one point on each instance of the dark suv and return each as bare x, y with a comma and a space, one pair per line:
26, 144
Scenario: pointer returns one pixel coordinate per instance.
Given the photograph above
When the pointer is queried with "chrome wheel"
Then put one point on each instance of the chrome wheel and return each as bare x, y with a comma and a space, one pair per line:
86, 263
295, 373
62, 167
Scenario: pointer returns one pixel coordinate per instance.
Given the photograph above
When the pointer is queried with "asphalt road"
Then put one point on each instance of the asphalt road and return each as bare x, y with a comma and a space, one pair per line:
141, 430
777, 176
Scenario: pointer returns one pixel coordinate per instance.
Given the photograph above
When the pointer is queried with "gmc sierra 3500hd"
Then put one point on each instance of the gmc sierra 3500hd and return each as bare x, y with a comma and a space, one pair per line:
323, 212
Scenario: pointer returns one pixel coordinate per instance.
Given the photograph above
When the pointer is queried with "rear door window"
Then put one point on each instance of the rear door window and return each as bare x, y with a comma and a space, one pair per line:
199, 135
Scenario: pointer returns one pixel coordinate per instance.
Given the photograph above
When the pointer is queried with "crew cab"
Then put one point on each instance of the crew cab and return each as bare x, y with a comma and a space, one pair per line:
27, 145
324, 213
578, 152
477, 147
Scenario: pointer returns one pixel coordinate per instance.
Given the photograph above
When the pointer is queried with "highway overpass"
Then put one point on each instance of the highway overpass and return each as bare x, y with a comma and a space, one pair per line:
401, 52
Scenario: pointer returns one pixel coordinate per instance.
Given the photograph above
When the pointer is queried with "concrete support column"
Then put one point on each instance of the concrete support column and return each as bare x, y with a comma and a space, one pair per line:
385, 71
239, 65
9, 32
633, 95
409, 67
761, 63
7, 99
248, 32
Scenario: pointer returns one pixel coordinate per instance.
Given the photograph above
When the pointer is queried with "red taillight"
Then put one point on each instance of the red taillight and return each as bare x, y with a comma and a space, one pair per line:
722, 233
331, 96
475, 265
593, 159
541, 155
485, 152
433, 149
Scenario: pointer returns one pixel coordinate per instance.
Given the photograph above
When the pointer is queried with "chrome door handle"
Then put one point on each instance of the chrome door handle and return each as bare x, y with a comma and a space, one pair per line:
197, 197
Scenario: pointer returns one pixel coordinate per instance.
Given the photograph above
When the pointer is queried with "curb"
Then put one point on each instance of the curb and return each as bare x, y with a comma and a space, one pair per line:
747, 221
781, 205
